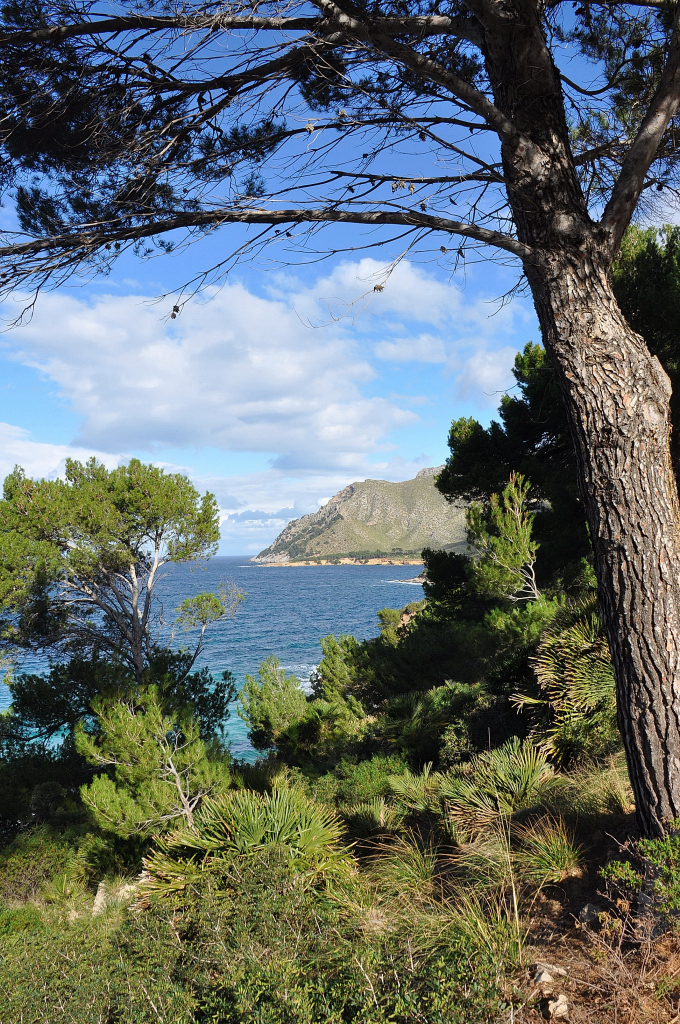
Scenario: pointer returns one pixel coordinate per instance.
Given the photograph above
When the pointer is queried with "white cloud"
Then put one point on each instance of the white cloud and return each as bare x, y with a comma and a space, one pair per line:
409, 296
239, 372
251, 536
242, 372
423, 349
287, 374
273, 490
40, 459
487, 374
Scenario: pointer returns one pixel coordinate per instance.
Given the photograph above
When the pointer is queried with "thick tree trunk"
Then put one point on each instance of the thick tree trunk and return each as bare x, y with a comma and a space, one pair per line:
618, 395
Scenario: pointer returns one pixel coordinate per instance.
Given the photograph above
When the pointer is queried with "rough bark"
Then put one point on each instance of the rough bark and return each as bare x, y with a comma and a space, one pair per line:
617, 396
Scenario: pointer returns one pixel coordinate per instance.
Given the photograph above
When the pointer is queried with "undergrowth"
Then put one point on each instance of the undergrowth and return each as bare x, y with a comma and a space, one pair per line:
276, 907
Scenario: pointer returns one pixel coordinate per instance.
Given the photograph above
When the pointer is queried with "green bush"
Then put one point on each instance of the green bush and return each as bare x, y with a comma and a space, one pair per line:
20, 919
271, 704
574, 711
260, 950
358, 781
32, 859
302, 729
654, 870
495, 784
238, 826
81, 973
295, 959
160, 770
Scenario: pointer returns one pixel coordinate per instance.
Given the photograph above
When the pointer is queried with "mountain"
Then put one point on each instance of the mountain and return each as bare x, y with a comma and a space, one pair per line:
374, 518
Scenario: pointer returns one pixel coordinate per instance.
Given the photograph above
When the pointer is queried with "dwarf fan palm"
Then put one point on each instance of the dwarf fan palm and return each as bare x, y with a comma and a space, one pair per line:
418, 790
234, 829
495, 783
574, 672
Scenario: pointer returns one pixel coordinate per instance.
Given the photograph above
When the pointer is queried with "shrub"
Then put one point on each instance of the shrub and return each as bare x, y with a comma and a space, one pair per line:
298, 958
271, 704
419, 791
576, 709
81, 972
359, 781
264, 950
406, 868
417, 722
30, 861
372, 817
20, 919
159, 767
495, 783
547, 850
654, 871
240, 826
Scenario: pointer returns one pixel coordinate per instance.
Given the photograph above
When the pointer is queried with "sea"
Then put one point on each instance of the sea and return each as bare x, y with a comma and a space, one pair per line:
285, 613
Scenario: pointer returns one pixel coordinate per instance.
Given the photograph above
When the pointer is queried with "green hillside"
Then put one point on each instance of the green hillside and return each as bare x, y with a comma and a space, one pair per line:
374, 517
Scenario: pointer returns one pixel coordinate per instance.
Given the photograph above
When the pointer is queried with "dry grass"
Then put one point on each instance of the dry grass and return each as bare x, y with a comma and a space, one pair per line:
605, 982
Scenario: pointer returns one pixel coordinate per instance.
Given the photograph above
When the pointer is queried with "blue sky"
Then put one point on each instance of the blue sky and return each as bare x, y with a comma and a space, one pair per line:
273, 391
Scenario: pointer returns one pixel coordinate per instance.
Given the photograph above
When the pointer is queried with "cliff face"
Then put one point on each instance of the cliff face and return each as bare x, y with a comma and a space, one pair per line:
374, 517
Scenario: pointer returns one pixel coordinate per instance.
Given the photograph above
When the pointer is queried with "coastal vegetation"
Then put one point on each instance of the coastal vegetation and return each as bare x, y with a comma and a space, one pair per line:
440, 827
414, 129
474, 815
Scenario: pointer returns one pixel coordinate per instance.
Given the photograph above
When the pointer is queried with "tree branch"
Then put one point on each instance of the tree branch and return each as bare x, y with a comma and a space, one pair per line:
659, 5
462, 90
89, 242
187, 809
424, 25
420, 180
592, 154
637, 161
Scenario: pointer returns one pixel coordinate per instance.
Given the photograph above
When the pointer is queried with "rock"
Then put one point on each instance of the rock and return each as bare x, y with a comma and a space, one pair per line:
375, 517
590, 914
558, 1008
551, 968
99, 900
543, 978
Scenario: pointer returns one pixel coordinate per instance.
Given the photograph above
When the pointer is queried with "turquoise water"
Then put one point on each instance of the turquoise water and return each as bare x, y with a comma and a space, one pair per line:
285, 613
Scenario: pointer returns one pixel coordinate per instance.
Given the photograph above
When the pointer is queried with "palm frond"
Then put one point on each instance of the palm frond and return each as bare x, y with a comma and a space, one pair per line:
547, 850
418, 790
371, 817
237, 827
575, 676
495, 783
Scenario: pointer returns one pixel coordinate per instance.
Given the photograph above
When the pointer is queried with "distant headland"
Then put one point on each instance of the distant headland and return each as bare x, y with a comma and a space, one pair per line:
373, 522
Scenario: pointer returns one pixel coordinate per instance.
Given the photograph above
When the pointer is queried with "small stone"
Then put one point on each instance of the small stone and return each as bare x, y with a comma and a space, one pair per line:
99, 900
590, 913
551, 968
543, 977
558, 1008
126, 892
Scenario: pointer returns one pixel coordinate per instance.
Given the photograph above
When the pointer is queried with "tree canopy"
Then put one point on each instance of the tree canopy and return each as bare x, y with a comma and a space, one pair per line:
162, 122
441, 131
80, 557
